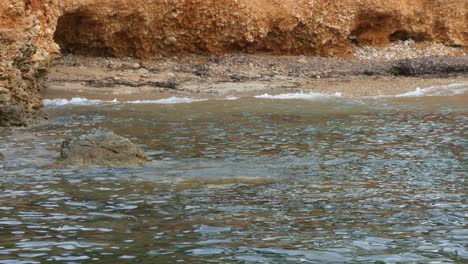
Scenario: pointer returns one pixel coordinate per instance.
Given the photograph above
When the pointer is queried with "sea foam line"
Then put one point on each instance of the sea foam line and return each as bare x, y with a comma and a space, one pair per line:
444, 90
79, 101
171, 100
302, 95
75, 101
441, 90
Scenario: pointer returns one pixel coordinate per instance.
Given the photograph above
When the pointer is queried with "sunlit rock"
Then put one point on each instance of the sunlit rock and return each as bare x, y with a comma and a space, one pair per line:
101, 147
33, 33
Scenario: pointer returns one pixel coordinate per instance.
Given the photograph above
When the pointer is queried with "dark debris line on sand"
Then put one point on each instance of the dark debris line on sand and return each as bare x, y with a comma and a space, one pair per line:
113, 83
232, 65
435, 66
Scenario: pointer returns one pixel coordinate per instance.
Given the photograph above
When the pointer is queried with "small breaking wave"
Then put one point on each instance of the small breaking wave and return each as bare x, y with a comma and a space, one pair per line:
78, 101
75, 101
443, 90
304, 96
171, 100
231, 98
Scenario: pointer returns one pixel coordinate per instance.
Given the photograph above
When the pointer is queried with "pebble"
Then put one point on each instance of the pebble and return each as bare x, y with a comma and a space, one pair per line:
132, 65
171, 40
407, 49
143, 71
113, 65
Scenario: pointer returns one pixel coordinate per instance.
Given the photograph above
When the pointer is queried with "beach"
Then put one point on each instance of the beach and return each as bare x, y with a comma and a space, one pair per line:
243, 75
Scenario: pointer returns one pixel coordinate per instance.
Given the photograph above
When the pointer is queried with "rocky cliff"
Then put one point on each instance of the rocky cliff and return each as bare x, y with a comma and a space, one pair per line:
31, 32
26, 45
325, 28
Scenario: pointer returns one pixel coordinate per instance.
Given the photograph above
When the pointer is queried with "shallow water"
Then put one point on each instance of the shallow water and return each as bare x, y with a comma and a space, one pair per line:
330, 180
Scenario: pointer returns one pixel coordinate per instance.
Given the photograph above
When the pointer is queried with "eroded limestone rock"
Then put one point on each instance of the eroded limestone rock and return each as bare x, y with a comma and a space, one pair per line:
147, 28
19, 116
101, 147
32, 31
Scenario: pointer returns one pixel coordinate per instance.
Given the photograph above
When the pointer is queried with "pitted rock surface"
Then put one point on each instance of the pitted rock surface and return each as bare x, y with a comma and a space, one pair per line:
33, 32
101, 147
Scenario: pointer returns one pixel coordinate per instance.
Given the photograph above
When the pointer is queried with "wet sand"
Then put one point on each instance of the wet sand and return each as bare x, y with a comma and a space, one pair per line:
231, 75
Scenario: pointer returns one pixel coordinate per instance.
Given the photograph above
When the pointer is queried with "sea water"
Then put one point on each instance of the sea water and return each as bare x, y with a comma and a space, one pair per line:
273, 179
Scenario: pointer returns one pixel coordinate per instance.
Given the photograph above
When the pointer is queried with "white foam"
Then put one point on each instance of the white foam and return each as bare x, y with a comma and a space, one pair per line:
74, 101
231, 98
78, 101
171, 100
304, 96
446, 90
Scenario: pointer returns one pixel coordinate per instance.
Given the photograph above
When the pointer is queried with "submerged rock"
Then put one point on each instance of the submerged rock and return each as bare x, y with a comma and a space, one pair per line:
101, 147
2, 157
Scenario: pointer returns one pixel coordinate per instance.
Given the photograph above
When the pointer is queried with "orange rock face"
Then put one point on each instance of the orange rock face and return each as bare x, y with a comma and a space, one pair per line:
25, 47
31, 32
326, 28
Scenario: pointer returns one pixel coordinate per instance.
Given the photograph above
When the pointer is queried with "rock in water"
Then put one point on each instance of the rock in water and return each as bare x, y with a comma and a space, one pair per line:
101, 147
2, 157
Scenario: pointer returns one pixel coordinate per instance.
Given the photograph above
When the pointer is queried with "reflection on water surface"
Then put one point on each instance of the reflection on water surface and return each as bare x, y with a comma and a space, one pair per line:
245, 181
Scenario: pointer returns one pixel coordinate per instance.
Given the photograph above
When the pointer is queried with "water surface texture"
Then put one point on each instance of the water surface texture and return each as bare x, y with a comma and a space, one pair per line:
255, 180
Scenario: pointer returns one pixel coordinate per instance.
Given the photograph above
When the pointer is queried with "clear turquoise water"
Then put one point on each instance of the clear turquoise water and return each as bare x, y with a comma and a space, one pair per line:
245, 181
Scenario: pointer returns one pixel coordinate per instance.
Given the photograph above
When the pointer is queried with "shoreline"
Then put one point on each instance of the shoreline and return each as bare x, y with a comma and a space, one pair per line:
250, 44
241, 75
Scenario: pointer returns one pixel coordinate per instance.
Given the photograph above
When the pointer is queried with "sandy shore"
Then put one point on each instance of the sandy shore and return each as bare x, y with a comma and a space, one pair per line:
245, 75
